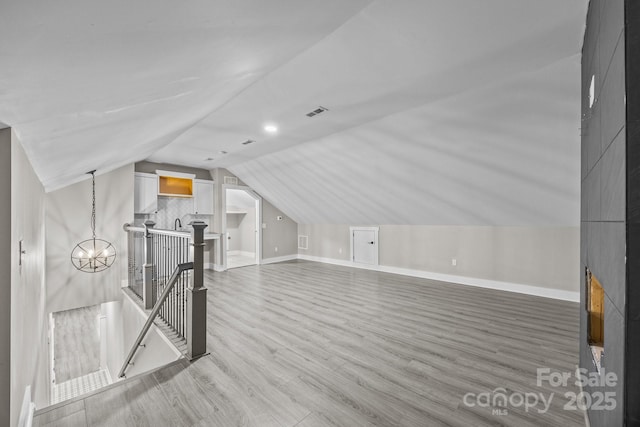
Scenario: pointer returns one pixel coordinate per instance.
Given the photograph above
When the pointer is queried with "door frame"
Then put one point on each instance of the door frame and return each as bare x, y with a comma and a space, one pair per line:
223, 236
376, 231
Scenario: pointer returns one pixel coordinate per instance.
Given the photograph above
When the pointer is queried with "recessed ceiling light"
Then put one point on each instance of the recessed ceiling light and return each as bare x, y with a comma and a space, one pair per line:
208, 159
271, 128
248, 141
223, 152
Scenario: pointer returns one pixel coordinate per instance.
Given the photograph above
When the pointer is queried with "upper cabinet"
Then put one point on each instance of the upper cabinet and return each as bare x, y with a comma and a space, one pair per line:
145, 198
203, 197
175, 184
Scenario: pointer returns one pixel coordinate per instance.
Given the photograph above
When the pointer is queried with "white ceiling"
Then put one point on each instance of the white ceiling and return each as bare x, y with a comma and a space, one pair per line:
436, 109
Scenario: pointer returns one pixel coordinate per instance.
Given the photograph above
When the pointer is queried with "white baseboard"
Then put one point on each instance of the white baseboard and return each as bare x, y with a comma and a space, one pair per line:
218, 267
279, 259
27, 410
462, 280
242, 253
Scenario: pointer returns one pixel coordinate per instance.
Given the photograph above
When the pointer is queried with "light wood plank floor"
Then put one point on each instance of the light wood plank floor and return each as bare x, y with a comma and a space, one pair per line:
76, 343
307, 344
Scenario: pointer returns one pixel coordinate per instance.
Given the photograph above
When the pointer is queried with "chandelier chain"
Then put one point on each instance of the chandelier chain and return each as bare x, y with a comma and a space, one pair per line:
93, 209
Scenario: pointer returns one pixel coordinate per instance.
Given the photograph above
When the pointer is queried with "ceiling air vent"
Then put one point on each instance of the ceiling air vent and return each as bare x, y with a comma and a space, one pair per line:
317, 111
231, 180
248, 141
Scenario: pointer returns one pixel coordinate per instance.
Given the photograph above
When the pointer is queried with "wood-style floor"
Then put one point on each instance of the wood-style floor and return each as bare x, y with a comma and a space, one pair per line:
307, 344
76, 343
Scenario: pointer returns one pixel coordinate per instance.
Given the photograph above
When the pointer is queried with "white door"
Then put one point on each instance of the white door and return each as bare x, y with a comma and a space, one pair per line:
364, 243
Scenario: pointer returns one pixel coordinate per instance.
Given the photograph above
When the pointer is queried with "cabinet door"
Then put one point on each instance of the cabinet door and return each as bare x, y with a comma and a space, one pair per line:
203, 197
145, 198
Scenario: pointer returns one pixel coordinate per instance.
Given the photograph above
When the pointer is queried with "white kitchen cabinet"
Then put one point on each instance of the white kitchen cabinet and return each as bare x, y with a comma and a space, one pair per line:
203, 197
145, 197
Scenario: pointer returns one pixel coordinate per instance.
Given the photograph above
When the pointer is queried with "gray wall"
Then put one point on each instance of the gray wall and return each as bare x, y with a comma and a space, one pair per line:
280, 234
603, 207
5, 276
68, 222
538, 256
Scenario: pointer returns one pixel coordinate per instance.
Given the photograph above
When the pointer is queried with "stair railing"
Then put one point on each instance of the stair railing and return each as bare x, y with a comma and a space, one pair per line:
179, 299
154, 313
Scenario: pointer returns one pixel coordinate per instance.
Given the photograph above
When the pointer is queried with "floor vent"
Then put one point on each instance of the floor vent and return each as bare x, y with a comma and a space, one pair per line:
317, 111
231, 180
303, 242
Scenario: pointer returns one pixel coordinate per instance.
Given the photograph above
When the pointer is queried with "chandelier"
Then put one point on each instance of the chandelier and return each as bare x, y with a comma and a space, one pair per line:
93, 255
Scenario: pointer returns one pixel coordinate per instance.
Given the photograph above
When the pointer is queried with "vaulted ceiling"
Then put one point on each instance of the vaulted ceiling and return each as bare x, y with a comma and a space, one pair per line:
439, 112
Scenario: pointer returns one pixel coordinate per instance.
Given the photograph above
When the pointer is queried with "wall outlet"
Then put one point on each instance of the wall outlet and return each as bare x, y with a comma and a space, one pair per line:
340, 251
454, 262
264, 225
275, 249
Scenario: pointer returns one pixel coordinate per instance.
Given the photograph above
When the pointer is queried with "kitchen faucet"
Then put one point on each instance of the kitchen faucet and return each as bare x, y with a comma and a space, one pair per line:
177, 223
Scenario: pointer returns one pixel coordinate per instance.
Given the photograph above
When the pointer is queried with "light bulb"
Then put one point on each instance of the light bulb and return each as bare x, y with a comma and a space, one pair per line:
271, 128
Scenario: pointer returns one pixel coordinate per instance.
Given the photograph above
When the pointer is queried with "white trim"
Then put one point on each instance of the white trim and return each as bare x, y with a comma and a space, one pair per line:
462, 280
214, 267
27, 409
172, 174
587, 422
376, 231
242, 253
279, 259
223, 234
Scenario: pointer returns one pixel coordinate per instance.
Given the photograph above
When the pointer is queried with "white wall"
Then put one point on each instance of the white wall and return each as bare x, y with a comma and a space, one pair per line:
29, 327
6, 243
539, 256
68, 222
124, 320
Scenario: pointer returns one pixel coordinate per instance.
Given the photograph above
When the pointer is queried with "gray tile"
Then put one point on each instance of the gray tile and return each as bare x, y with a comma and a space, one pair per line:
591, 127
592, 185
611, 102
584, 196
610, 268
590, 46
610, 31
593, 244
613, 181
614, 359
583, 243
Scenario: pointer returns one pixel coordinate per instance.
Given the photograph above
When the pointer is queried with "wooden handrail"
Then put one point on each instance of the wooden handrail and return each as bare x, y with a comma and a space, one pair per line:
154, 313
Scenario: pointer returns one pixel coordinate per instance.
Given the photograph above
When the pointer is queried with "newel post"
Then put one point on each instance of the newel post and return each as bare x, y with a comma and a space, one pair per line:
147, 277
197, 297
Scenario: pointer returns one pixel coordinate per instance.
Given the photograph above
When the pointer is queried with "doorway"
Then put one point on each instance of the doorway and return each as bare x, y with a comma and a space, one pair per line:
364, 245
241, 227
